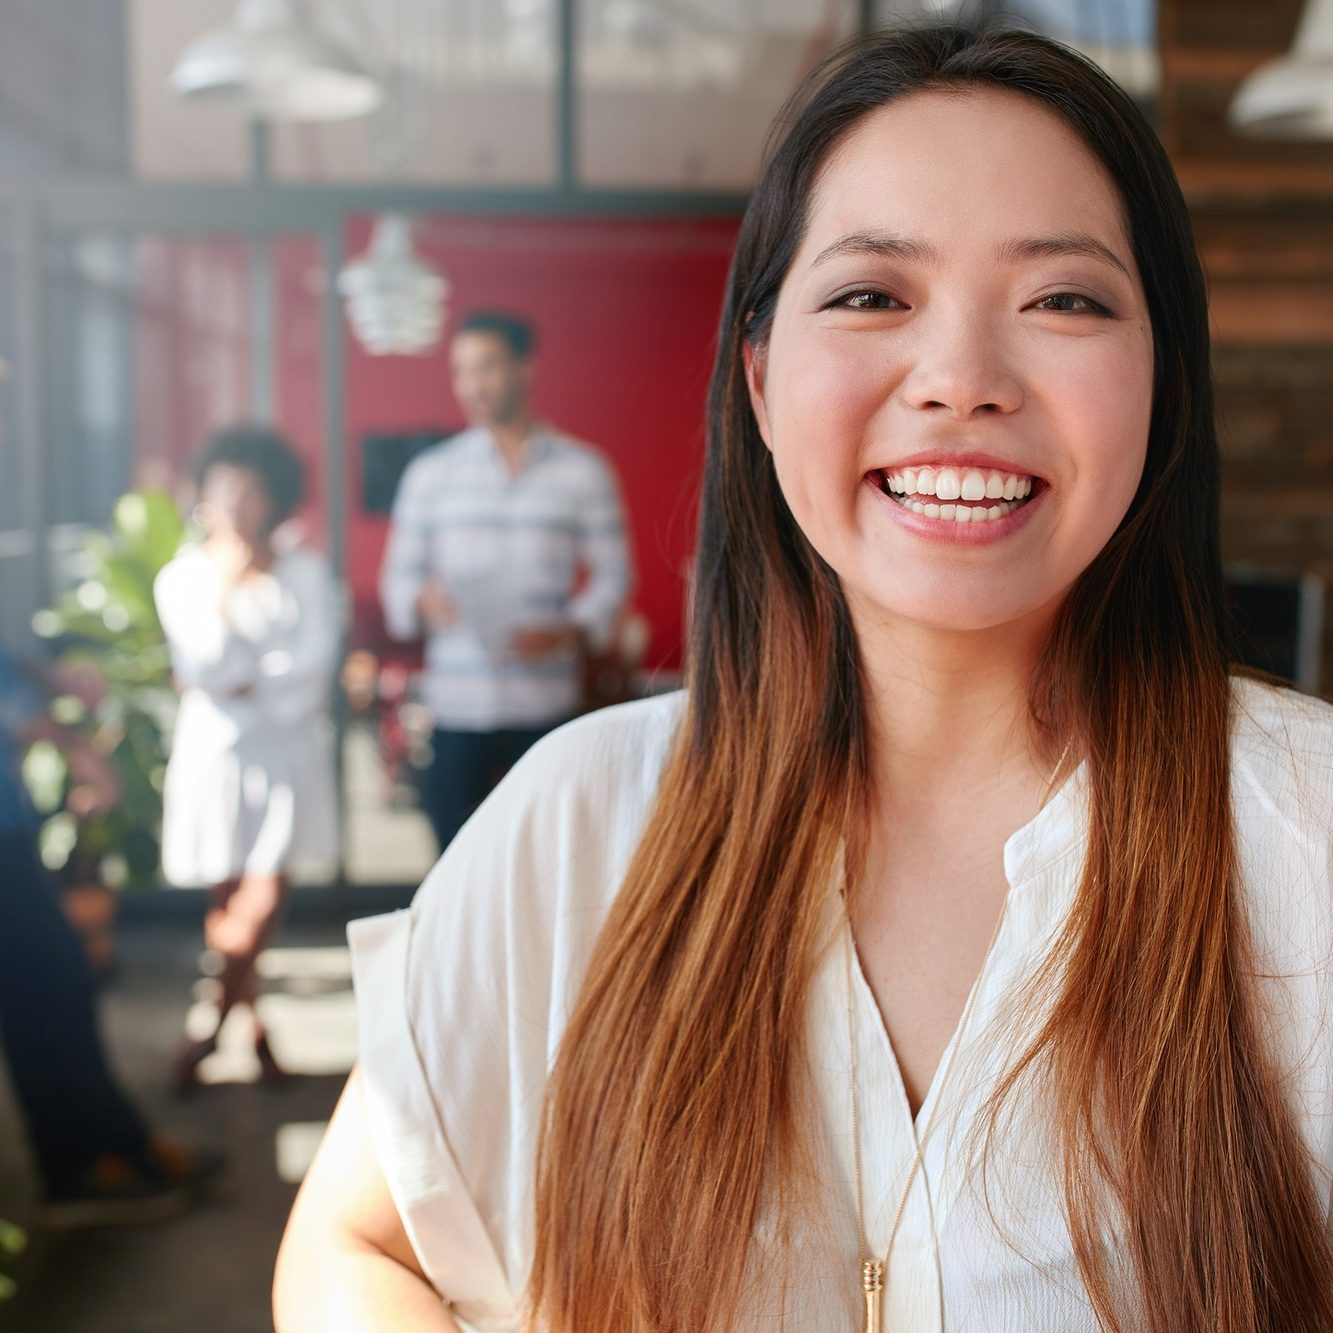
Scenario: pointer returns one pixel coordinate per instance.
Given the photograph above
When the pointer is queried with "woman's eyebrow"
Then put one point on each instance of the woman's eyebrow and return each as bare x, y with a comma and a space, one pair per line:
1072, 243
879, 243
891, 245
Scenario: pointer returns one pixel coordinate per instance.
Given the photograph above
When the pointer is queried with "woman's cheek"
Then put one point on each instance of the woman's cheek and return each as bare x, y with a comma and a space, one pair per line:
1107, 404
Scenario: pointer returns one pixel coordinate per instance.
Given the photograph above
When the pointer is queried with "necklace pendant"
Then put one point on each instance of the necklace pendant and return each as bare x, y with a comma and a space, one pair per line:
872, 1284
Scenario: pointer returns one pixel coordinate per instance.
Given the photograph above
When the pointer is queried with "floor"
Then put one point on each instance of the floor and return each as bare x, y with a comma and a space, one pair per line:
208, 1271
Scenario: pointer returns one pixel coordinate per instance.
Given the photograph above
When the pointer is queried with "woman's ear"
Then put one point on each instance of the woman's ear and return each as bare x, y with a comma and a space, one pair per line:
755, 366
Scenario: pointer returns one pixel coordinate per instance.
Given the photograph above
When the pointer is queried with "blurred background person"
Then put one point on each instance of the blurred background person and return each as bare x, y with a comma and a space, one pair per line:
97, 1161
253, 626
508, 551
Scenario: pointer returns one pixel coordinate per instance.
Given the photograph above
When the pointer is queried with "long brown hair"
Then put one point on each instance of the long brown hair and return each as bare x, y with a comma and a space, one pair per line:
674, 1112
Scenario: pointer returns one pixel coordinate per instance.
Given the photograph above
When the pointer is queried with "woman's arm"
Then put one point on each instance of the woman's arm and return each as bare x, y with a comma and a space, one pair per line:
346, 1265
206, 650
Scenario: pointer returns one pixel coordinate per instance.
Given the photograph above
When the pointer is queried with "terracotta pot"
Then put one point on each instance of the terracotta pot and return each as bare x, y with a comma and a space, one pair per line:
91, 910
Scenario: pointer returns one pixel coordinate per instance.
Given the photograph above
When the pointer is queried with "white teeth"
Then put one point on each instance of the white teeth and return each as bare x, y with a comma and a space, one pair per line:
974, 486
959, 513
947, 486
948, 483
911, 486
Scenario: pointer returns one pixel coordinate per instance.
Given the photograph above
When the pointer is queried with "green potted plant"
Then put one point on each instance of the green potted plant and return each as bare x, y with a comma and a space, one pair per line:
113, 674
13, 1241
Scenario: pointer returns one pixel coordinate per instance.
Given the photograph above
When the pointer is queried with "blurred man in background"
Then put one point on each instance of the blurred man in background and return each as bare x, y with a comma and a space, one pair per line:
508, 551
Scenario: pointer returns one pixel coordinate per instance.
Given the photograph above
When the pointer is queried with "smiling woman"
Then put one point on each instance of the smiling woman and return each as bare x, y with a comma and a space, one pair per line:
955, 953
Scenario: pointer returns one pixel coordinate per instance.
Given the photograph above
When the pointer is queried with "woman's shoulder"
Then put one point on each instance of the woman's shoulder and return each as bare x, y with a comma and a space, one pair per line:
1282, 740
1282, 803
189, 556
612, 750
586, 788
183, 573
556, 835
1272, 703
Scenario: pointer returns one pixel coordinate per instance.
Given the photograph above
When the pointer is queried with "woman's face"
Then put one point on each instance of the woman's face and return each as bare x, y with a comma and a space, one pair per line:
957, 384
234, 500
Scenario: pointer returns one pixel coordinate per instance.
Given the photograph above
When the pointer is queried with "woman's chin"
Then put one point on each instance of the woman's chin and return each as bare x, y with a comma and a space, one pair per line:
947, 613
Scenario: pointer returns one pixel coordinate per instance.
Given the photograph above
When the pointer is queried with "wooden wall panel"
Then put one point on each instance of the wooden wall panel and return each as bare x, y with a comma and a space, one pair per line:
1263, 218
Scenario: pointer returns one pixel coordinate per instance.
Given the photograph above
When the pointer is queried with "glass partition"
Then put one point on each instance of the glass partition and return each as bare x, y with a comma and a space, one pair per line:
680, 96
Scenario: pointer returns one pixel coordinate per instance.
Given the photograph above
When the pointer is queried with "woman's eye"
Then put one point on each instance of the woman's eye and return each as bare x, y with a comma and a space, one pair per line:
1072, 303
869, 301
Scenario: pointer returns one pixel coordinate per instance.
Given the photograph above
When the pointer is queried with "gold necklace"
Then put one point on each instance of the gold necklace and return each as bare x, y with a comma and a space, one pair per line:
872, 1269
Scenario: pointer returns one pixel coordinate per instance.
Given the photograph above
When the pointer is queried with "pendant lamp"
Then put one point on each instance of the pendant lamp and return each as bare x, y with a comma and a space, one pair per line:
273, 58
395, 302
1292, 97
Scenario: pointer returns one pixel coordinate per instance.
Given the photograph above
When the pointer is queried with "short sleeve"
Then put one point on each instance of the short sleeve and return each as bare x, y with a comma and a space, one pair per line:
440, 1218
462, 998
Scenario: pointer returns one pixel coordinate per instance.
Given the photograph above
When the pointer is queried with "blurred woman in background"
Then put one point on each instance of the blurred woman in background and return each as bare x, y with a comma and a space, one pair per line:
253, 625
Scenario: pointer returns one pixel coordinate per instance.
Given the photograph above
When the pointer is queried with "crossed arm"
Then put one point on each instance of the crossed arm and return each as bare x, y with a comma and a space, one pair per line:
346, 1265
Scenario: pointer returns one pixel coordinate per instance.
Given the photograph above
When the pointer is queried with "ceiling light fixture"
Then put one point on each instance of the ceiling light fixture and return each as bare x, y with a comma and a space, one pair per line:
1292, 97
272, 58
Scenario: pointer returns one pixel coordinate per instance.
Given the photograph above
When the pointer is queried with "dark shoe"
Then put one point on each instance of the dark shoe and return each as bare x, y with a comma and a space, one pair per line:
270, 1071
185, 1064
119, 1190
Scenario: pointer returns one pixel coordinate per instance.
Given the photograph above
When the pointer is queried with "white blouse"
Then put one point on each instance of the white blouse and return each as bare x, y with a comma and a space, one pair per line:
250, 782
463, 998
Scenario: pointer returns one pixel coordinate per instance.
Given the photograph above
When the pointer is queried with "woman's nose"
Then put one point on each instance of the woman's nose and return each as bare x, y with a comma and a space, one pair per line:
961, 370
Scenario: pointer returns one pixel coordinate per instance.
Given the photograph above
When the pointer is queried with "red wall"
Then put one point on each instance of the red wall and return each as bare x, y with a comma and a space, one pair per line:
624, 313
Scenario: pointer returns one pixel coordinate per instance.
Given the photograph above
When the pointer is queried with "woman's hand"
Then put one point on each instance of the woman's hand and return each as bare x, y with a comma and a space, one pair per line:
230, 555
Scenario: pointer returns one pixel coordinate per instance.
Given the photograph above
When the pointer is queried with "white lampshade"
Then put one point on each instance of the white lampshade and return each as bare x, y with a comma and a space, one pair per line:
1292, 97
280, 65
394, 301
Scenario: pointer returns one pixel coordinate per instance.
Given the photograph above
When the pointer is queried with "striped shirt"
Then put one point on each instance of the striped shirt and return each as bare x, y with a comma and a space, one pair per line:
545, 547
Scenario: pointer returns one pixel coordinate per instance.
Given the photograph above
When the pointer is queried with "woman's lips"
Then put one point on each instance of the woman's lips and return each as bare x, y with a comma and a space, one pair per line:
956, 494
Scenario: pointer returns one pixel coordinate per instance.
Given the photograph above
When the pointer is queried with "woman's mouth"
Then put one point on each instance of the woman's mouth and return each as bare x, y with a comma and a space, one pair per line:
959, 495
